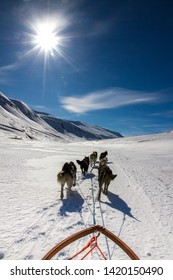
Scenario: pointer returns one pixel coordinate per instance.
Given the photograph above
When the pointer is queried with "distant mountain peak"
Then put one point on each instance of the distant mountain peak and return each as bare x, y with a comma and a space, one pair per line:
17, 118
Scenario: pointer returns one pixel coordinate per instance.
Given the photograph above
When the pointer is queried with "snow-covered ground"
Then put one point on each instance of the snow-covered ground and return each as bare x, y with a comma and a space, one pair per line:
138, 208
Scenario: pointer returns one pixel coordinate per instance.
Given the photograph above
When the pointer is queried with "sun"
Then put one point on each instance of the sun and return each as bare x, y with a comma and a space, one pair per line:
49, 36
46, 37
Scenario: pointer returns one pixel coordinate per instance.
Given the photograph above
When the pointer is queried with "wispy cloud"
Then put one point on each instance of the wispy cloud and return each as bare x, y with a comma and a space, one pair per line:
106, 99
39, 107
163, 114
4, 72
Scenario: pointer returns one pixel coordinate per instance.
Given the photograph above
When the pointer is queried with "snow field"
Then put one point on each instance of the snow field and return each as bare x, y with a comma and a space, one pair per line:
138, 208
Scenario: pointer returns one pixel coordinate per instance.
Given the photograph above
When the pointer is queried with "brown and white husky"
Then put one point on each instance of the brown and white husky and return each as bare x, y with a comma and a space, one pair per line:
67, 176
105, 176
93, 158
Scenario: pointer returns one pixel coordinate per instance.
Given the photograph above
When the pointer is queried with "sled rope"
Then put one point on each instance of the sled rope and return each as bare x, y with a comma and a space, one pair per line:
106, 239
93, 212
92, 243
124, 218
94, 218
84, 197
94, 223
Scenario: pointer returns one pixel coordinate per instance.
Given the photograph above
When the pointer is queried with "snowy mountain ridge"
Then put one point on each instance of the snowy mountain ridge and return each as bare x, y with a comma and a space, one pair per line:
19, 121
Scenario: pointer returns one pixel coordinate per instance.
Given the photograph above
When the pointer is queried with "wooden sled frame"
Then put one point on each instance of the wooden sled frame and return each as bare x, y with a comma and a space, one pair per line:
88, 231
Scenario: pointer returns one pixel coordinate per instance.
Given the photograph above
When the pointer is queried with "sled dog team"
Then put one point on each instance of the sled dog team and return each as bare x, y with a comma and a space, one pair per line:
68, 173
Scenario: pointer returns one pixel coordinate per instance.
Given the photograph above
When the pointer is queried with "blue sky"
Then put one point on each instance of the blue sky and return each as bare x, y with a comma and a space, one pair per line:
112, 64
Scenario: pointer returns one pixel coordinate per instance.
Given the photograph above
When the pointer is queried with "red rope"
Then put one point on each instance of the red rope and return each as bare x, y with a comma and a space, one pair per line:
92, 244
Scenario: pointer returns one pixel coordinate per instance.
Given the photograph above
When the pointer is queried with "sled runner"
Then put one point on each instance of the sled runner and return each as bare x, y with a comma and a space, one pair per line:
93, 244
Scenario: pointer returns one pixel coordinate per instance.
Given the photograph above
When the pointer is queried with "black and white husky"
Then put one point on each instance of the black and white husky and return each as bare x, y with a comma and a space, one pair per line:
103, 155
67, 176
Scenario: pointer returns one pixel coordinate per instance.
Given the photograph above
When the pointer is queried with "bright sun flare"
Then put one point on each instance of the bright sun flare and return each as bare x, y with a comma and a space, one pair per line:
46, 37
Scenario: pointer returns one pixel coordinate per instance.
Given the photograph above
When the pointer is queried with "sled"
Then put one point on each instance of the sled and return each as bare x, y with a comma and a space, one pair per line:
92, 243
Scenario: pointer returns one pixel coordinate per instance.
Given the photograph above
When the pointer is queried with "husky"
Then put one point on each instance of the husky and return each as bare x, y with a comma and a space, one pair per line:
84, 164
102, 167
67, 175
103, 162
105, 176
103, 155
93, 158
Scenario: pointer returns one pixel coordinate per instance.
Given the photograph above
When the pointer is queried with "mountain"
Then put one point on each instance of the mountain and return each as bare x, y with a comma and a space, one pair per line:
19, 121
79, 129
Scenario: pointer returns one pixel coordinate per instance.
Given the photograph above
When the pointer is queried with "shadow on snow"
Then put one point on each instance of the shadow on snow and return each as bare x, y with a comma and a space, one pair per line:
73, 203
118, 203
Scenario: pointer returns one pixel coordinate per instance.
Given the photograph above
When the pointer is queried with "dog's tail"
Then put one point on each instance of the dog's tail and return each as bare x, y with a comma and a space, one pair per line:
60, 175
78, 161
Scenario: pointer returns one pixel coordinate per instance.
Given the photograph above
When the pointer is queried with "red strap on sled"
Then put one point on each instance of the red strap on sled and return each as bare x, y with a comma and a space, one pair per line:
92, 243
